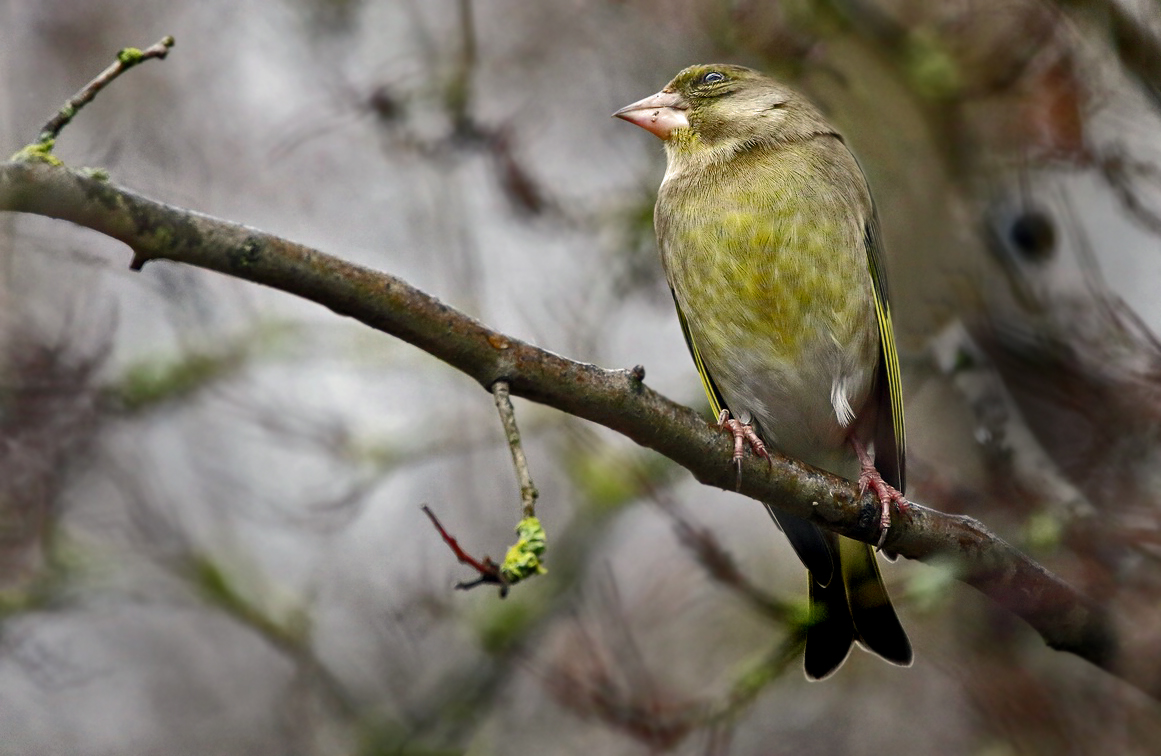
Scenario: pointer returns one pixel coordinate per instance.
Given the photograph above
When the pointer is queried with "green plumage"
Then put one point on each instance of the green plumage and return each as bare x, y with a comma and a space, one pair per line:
769, 241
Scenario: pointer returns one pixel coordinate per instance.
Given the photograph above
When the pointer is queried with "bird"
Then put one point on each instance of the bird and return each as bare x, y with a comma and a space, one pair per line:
770, 243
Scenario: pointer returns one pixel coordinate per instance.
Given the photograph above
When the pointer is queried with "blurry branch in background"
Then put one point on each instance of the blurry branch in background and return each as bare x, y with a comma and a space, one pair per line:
400, 115
599, 673
1134, 37
1016, 93
459, 89
617, 399
594, 687
289, 631
466, 133
51, 413
152, 383
604, 680
246, 597
720, 565
1126, 177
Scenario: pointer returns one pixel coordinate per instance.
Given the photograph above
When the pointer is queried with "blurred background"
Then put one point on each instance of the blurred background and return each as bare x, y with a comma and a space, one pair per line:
211, 539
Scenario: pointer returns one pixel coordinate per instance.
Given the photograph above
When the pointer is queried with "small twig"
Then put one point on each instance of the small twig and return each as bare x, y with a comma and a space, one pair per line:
528, 492
489, 570
523, 559
126, 59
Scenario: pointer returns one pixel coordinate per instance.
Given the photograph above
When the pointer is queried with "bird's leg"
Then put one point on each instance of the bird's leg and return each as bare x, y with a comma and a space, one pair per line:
743, 433
887, 494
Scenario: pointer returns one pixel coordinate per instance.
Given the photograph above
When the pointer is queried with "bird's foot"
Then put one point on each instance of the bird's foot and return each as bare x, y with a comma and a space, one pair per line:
743, 434
887, 494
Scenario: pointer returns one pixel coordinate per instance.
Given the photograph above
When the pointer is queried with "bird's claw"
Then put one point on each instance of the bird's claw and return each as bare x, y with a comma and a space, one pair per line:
887, 494
743, 434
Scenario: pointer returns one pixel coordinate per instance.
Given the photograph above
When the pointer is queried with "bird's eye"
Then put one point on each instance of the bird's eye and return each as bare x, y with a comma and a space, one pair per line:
713, 77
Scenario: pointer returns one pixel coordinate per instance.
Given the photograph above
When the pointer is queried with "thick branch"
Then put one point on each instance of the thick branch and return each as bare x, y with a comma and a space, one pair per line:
616, 399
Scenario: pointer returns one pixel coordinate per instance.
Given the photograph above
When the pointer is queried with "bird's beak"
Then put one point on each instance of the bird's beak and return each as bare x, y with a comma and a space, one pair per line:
659, 114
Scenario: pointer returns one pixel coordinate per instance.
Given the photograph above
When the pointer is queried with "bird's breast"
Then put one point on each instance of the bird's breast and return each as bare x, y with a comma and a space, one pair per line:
770, 270
780, 265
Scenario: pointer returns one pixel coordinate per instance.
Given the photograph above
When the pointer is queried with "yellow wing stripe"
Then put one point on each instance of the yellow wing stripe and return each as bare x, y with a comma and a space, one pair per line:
717, 402
707, 383
891, 357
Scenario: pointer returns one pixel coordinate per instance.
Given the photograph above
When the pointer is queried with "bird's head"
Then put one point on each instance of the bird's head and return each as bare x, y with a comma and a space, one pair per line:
725, 108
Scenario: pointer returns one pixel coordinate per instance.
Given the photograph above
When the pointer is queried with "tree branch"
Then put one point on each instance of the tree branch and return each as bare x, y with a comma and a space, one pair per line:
126, 59
1133, 37
617, 399
528, 492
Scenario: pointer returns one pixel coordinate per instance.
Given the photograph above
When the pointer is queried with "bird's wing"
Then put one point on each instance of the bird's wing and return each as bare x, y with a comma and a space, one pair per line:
890, 438
811, 545
716, 400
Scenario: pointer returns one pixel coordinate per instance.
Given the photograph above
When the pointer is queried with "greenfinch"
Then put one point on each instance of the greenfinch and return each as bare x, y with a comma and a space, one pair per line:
770, 243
